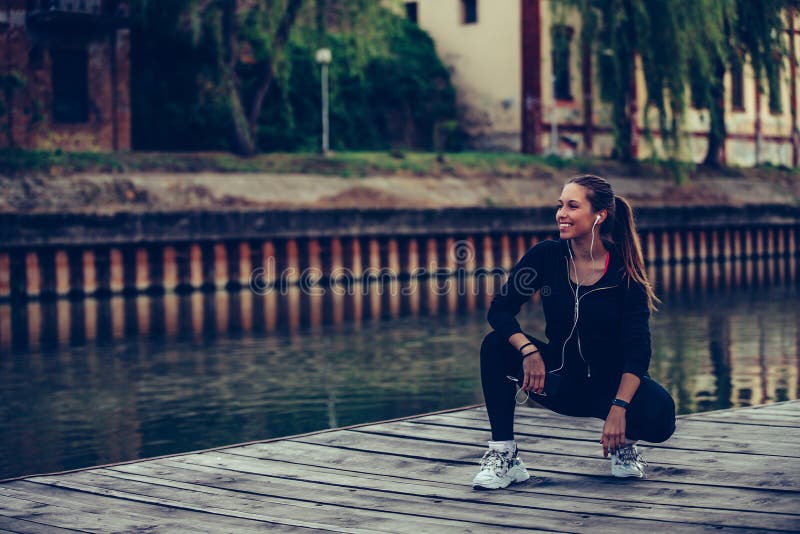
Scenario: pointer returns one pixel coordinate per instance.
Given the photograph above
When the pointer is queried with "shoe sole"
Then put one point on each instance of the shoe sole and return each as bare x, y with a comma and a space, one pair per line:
513, 480
627, 475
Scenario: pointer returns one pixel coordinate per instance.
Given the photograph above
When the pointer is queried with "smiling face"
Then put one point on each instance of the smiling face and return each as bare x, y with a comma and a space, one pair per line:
575, 215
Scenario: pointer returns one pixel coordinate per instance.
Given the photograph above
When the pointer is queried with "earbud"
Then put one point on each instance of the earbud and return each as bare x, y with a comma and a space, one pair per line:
597, 219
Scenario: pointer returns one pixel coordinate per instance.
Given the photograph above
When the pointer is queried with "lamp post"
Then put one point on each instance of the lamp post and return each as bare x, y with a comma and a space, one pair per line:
324, 58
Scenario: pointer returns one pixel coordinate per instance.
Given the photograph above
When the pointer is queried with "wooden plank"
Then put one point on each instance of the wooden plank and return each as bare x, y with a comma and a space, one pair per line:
680, 440
750, 425
683, 438
95, 513
761, 418
400, 468
782, 410
778, 478
309, 514
30, 527
549, 498
733, 468
582, 447
499, 511
784, 406
50, 515
694, 427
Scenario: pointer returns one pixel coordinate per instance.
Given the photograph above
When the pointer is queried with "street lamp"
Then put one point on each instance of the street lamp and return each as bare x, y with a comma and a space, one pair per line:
324, 58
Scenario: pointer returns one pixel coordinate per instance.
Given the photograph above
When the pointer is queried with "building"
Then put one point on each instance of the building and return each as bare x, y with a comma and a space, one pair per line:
501, 56
64, 72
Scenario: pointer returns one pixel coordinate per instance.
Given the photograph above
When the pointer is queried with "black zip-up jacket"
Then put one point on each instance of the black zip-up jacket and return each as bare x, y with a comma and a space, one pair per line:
612, 334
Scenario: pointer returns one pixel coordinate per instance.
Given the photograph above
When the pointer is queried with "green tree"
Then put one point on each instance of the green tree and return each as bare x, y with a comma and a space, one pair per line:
659, 34
680, 45
739, 31
190, 91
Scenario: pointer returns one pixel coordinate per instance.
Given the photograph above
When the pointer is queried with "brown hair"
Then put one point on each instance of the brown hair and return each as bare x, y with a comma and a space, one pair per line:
621, 228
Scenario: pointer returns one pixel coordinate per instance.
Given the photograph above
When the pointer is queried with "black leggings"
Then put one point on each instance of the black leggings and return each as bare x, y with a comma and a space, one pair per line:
650, 417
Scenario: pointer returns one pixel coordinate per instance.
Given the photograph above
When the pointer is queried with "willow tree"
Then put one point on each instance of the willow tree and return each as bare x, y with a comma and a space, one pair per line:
679, 47
740, 31
254, 32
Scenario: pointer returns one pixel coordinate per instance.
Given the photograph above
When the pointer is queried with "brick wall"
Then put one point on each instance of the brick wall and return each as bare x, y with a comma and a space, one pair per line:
28, 120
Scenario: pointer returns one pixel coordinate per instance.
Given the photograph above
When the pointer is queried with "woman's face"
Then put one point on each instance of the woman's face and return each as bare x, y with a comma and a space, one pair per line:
575, 215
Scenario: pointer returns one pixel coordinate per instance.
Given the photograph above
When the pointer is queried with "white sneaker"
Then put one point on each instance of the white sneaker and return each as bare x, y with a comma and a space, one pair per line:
627, 462
499, 469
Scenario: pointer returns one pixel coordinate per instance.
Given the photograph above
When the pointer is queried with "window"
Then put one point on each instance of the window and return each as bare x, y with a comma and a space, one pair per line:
562, 38
70, 85
737, 85
411, 11
774, 82
469, 11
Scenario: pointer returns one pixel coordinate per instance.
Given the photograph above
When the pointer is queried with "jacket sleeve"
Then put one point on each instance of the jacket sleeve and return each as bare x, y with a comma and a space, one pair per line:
523, 281
636, 330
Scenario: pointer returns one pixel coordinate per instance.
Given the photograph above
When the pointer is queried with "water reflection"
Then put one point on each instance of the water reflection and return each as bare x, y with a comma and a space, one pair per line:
103, 380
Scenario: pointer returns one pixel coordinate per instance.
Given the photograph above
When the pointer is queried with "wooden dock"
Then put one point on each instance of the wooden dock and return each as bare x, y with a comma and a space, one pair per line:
733, 470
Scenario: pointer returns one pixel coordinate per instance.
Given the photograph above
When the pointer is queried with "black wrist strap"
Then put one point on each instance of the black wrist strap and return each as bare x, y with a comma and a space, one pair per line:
621, 403
526, 345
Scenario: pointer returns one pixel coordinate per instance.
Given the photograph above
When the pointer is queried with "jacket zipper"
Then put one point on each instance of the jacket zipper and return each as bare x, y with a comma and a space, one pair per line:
578, 332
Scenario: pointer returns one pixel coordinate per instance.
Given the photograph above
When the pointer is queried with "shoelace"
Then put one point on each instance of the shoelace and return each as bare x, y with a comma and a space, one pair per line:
495, 460
628, 455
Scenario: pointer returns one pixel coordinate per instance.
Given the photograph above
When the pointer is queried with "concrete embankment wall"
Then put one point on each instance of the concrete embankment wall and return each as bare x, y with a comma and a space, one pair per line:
77, 255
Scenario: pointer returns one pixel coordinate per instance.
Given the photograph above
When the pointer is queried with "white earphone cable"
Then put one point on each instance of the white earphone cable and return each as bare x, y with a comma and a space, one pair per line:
577, 288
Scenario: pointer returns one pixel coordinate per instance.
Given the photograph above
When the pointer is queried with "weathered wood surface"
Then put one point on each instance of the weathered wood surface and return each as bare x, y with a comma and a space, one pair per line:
733, 470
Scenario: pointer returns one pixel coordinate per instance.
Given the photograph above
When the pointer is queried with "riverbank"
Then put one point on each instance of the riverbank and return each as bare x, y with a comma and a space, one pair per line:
35, 182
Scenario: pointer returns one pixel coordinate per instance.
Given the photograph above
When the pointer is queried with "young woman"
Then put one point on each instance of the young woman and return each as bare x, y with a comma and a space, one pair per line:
597, 303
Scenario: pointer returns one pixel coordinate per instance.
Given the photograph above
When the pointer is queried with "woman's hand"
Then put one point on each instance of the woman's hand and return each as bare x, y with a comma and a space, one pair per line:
614, 430
533, 367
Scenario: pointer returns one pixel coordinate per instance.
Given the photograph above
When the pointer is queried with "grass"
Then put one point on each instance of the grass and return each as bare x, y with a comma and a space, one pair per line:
349, 164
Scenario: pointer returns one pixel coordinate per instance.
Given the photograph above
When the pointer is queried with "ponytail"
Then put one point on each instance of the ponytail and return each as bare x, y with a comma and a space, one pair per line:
622, 228
626, 237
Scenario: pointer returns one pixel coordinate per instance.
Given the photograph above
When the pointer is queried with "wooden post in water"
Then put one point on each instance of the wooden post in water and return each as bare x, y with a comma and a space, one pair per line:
33, 274
727, 257
686, 265
326, 262
677, 250
170, 269
220, 278
75, 270
142, 269
522, 247
102, 267
89, 272
208, 264
755, 257
713, 258
231, 281
786, 237
503, 255
47, 276
17, 282
127, 255
155, 269
183, 268
778, 276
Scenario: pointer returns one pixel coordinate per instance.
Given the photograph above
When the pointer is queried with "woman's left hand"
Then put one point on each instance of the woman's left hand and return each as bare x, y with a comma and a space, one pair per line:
614, 430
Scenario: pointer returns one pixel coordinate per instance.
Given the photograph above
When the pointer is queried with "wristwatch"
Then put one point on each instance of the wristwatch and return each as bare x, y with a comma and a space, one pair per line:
621, 403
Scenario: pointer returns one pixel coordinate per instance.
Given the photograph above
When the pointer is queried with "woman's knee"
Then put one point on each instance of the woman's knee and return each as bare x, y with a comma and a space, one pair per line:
656, 413
663, 422
491, 345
